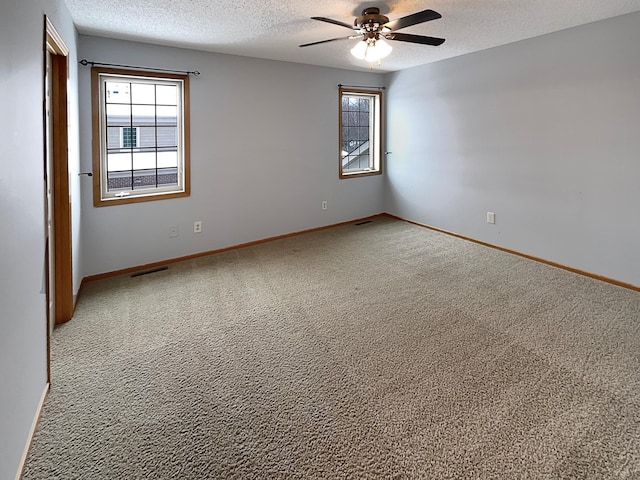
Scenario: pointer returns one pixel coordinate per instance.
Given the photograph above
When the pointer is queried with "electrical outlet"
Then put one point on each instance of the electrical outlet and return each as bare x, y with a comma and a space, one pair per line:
324, 204
197, 227
173, 231
491, 217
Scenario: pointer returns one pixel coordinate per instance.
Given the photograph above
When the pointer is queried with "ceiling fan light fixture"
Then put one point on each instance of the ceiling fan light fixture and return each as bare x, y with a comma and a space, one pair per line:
360, 50
383, 47
377, 50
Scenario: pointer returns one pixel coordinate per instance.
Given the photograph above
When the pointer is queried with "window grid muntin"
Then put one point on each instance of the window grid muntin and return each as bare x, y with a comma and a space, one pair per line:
173, 182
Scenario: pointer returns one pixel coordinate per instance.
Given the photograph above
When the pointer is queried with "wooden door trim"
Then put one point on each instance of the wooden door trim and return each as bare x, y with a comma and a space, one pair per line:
63, 264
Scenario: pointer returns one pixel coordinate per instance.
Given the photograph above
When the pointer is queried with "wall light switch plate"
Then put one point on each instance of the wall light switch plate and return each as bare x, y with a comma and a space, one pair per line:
491, 217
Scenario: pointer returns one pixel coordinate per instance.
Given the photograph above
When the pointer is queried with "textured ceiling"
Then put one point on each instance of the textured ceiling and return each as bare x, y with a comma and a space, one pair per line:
273, 29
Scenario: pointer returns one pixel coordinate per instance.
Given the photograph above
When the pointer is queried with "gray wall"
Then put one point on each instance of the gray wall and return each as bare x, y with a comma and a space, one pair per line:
264, 155
23, 367
543, 132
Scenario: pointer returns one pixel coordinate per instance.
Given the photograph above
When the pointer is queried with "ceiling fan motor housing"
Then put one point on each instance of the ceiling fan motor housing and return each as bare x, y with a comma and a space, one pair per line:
370, 20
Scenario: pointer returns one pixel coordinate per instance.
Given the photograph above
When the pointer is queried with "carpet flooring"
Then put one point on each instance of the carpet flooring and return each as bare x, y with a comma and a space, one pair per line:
379, 351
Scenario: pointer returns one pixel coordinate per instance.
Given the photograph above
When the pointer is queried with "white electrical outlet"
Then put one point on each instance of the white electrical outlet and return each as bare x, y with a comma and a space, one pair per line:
197, 227
324, 204
491, 217
173, 231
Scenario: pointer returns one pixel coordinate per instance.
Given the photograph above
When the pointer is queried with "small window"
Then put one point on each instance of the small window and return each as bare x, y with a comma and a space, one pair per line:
140, 136
360, 133
129, 137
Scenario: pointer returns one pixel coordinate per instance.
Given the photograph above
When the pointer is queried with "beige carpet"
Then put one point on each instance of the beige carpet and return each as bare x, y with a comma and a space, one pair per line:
383, 350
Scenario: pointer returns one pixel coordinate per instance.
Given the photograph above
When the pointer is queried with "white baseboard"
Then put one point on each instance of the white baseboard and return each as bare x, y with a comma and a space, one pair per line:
34, 425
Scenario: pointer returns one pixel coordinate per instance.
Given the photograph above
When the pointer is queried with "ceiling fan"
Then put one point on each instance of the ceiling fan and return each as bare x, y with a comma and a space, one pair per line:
373, 29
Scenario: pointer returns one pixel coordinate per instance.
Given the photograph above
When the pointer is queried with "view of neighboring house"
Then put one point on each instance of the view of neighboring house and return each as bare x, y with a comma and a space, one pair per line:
141, 135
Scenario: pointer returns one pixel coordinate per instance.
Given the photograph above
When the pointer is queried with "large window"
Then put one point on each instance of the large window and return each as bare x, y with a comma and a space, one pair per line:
140, 136
360, 133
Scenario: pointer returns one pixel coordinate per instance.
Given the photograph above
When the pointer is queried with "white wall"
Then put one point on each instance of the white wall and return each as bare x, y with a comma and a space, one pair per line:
264, 146
23, 367
543, 132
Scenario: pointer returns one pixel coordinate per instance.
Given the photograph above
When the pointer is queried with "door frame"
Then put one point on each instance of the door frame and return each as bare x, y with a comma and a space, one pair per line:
62, 255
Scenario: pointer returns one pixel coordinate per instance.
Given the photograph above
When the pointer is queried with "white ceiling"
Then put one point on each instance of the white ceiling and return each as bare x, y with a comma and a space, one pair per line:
273, 29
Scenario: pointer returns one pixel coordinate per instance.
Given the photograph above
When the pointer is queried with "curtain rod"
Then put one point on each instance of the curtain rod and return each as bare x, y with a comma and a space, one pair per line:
361, 86
85, 62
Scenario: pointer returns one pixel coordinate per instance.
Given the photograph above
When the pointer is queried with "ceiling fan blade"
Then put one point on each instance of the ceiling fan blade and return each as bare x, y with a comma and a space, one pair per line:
413, 19
335, 22
407, 37
323, 41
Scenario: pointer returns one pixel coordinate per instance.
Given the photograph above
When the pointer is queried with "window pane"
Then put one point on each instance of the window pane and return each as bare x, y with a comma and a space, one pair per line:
353, 134
144, 178
166, 95
143, 114
146, 137
113, 137
363, 134
118, 114
168, 176
118, 161
144, 159
167, 137
117, 92
118, 181
167, 115
167, 158
142, 93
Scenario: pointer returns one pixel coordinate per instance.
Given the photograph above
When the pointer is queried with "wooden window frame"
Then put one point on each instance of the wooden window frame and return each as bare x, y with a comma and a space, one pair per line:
99, 137
375, 153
